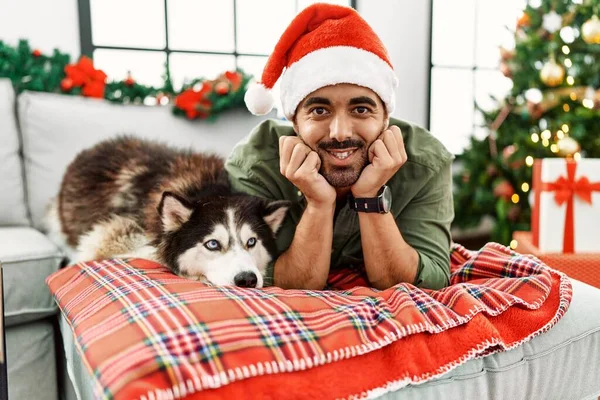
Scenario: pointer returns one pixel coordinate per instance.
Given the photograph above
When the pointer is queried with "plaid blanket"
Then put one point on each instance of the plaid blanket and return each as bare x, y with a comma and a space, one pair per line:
144, 333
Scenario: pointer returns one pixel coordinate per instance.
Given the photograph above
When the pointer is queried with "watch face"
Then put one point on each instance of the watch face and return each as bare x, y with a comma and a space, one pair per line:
386, 199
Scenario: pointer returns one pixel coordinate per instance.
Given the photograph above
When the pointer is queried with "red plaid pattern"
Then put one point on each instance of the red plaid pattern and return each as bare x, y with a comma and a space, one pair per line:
144, 332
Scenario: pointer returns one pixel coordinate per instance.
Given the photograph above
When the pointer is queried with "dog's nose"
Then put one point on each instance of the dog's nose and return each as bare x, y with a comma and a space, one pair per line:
245, 279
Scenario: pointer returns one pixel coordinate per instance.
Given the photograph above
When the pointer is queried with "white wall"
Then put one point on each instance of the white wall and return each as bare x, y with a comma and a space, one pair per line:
47, 24
402, 25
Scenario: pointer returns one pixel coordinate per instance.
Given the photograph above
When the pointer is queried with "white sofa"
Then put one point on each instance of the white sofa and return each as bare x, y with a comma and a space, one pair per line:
41, 133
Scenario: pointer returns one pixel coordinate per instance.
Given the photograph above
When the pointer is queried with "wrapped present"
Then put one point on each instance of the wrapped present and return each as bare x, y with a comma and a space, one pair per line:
566, 211
584, 267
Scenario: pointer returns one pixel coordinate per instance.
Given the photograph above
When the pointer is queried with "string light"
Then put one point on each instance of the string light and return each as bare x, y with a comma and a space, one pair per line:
573, 96
560, 134
554, 148
515, 198
525, 187
568, 63
545, 142
546, 134
566, 107
513, 244
529, 161
565, 49
588, 103
565, 128
577, 156
570, 80
535, 137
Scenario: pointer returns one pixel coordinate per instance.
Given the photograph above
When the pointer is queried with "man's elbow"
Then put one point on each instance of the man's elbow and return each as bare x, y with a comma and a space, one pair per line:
296, 280
308, 284
439, 279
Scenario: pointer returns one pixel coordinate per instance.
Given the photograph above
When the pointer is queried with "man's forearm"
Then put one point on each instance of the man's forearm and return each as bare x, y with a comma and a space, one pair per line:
305, 264
389, 260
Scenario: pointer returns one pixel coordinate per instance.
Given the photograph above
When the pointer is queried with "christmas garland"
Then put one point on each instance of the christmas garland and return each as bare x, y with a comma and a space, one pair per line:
30, 69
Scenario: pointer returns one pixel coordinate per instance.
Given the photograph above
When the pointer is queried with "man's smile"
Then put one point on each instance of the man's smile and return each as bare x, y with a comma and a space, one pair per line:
341, 156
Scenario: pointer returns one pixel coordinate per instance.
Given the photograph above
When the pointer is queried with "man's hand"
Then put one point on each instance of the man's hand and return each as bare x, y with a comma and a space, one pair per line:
300, 165
386, 155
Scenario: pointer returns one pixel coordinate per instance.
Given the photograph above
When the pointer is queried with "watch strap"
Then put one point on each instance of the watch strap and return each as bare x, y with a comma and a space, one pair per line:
365, 204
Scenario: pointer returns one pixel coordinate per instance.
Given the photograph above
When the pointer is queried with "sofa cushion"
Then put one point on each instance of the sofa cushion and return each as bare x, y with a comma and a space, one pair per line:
27, 258
31, 362
12, 197
56, 127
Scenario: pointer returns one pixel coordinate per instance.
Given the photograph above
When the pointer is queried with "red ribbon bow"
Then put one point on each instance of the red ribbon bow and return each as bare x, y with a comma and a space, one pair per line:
84, 75
195, 103
565, 189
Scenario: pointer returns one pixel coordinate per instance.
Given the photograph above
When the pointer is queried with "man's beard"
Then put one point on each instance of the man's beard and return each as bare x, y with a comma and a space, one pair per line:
346, 176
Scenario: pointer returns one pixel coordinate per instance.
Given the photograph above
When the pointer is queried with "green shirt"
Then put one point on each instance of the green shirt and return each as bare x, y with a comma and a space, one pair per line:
421, 198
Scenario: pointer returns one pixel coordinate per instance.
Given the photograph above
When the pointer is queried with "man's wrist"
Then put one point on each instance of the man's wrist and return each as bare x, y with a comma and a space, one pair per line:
320, 209
368, 194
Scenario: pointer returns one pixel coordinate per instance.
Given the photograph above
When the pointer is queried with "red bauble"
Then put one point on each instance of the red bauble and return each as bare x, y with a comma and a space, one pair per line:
507, 156
129, 81
36, 53
491, 170
466, 177
505, 69
235, 78
504, 190
508, 152
506, 54
513, 213
222, 88
66, 84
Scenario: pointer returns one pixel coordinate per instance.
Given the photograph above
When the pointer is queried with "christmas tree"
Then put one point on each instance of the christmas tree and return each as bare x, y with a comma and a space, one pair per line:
552, 110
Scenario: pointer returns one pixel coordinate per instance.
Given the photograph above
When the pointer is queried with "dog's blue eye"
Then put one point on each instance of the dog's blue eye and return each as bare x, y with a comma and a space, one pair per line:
251, 242
212, 245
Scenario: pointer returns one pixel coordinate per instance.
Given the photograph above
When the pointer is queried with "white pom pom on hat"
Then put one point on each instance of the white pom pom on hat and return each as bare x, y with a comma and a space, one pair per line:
259, 99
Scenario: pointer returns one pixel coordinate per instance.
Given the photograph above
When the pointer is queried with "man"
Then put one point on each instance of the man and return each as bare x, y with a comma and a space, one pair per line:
364, 188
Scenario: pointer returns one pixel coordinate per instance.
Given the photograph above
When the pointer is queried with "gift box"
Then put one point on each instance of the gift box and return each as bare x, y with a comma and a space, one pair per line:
584, 267
565, 214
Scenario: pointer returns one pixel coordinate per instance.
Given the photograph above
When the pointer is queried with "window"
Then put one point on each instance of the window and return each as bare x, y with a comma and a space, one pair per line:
465, 40
198, 38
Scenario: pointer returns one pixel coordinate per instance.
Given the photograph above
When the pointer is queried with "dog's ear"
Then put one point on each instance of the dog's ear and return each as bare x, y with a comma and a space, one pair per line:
174, 211
275, 213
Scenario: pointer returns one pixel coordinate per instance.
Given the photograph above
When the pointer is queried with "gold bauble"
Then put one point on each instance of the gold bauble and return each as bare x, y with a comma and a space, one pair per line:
590, 30
568, 146
552, 74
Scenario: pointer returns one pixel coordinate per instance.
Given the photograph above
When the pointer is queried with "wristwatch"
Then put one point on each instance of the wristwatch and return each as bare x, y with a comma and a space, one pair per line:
380, 204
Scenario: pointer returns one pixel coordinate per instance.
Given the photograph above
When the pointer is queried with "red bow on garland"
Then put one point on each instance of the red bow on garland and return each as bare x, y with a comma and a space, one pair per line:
83, 74
195, 103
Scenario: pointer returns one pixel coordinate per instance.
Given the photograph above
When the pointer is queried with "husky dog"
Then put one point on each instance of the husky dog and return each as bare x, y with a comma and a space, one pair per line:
127, 197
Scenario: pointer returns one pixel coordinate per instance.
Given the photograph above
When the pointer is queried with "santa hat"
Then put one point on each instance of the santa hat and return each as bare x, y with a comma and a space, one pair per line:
324, 45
